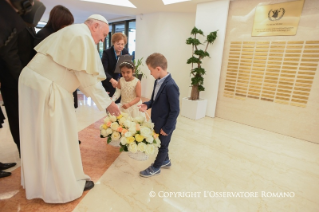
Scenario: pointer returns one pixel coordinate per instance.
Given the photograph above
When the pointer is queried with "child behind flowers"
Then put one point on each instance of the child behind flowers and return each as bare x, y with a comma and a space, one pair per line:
129, 88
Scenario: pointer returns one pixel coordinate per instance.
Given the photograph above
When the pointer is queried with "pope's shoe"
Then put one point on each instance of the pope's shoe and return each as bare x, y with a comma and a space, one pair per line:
88, 185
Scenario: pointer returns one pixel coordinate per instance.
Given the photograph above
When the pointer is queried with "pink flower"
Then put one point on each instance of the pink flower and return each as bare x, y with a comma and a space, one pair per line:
120, 129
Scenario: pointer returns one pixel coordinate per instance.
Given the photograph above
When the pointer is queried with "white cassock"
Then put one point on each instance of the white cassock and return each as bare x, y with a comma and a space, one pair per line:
51, 166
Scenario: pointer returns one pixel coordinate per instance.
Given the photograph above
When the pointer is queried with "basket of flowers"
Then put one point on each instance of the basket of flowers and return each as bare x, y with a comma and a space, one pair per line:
134, 135
140, 140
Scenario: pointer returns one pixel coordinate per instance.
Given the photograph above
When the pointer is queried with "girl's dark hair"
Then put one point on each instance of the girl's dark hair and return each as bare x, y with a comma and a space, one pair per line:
60, 17
128, 64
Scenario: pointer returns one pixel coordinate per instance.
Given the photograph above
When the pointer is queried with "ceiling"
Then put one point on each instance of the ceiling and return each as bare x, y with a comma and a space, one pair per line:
81, 9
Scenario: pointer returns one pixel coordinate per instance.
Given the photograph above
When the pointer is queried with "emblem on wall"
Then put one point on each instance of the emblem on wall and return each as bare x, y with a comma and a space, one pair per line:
275, 15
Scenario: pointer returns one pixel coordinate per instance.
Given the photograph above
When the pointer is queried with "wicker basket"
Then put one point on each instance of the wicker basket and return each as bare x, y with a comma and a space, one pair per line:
138, 155
115, 143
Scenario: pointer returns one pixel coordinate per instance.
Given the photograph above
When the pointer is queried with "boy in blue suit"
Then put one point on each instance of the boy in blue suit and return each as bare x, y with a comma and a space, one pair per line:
165, 110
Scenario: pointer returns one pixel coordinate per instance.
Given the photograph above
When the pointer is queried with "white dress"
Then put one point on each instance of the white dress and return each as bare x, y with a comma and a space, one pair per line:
51, 165
128, 94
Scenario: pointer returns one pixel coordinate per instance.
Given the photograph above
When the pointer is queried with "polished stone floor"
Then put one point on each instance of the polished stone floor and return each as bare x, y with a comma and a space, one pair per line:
217, 165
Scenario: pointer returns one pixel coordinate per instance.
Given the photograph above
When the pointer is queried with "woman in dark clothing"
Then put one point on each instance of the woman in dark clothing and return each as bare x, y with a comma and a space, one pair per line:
109, 60
60, 17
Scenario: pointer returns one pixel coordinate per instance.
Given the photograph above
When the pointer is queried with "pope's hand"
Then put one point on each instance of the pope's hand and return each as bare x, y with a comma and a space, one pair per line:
113, 109
142, 107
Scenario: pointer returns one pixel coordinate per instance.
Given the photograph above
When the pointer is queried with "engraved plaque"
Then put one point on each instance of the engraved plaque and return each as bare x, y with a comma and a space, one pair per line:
281, 47
311, 51
277, 19
295, 42
248, 46
312, 42
310, 55
294, 47
312, 47
278, 42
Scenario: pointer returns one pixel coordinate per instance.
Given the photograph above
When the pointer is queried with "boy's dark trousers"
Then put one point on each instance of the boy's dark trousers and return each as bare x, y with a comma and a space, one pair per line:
162, 151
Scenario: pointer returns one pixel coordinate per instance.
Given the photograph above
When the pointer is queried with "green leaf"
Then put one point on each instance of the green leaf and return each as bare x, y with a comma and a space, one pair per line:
196, 31
201, 53
193, 60
201, 88
138, 65
109, 139
197, 80
121, 149
211, 37
199, 71
193, 41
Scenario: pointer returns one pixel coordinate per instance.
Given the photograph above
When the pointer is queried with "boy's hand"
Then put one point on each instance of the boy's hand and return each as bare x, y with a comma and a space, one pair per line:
142, 107
163, 133
126, 106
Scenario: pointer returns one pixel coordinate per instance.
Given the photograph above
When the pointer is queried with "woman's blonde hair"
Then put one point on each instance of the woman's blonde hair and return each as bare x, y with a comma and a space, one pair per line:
116, 37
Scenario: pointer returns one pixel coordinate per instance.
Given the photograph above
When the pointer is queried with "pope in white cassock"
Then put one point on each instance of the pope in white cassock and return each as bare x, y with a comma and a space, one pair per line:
51, 166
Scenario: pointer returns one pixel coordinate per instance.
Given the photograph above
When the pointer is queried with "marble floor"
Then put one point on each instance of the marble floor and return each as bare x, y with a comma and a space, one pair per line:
217, 165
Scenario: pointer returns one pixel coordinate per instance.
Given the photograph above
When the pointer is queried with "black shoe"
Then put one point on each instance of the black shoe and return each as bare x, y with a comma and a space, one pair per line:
4, 166
4, 174
88, 185
79, 142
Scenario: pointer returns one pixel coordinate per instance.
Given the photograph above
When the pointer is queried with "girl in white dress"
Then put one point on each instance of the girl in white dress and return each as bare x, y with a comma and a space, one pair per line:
129, 88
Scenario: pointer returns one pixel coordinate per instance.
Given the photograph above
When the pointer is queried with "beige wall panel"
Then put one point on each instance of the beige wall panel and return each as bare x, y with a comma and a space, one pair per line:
297, 116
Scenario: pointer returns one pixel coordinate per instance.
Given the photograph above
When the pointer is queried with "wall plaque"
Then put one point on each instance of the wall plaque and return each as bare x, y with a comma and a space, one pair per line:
284, 78
277, 19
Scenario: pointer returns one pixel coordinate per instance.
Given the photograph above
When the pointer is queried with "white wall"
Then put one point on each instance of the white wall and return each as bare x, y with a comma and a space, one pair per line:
210, 17
165, 33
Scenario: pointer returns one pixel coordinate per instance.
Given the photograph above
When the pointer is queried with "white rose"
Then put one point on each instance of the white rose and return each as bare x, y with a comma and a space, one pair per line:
145, 131
139, 119
107, 119
158, 142
132, 128
148, 124
132, 147
101, 127
112, 118
122, 120
114, 126
141, 147
104, 133
124, 114
149, 139
115, 136
109, 131
128, 134
123, 140
127, 123
150, 149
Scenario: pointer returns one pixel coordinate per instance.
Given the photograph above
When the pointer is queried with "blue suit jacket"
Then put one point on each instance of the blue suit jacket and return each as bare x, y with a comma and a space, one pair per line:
165, 108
